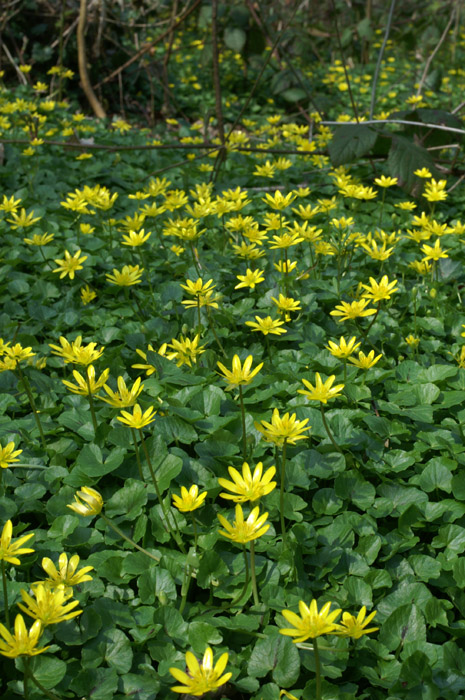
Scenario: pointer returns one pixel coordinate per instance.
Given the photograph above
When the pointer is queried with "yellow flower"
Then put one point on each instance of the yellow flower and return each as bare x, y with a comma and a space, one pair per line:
39, 239
86, 229
22, 220
243, 531
377, 252
240, 375
423, 267
321, 391
356, 309
267, 170
278, 201
434, 252
435, 191
87, 295
124, 397
422, 172
67, 574
16, 354
384, 181
185, 350
406, 206
286, 428
376, 291
413, 341
22, 642
87, 386
8, 455
343, 350
77, 353
198, 288
203, 677
286, 305
189, 500
365, 361
250, 279
351, 626
134, 238
306, 212
311, 623
286, 240
137, 419
88, 501
10, 205
10, 551
48, 605
286, 267
129, 275
266, 325
69, 264
149, 369
248, 486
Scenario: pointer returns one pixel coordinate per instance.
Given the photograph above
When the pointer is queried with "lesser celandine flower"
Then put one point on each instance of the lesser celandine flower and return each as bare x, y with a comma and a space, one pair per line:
241, 530
49, 605
124, 397
435, 191
422, 172
365, 361
384, 181
150, 369
322, 391
278, 200
354, 627
77, 353
67, 574
23, 220
240, 375
285, 240
137, 419
88, 385
356, 309
286, 428
189, 500
312, 622
202, 678
128, 276
248, 486
413, 341
87, 295
136, 238
69, 264
250, 279
377, 291
10, 551
267, 325
185, 350
39, 239
22, 643
87, 501
285, 267
8, 455
16, 354
343, 349
434, 252
286, 305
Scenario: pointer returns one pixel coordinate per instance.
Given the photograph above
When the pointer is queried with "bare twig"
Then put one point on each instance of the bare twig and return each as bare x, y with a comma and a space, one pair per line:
438, 46
380, 58
82, 61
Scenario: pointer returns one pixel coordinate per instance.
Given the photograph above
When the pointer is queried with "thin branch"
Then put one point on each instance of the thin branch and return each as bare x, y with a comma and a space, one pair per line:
380, 58
398, 121
82, 61
438, 46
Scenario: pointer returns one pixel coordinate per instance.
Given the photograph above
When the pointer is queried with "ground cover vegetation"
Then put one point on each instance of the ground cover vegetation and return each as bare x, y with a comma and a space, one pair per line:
232, 368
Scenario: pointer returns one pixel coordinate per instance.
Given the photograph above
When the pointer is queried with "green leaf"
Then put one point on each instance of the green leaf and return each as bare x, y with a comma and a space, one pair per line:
48, 670
404, 158
201, 635
350, 142
287, 670
118, 653
235, 39
353, 486
90, 464
278, 654
96, 684
436, 475
405, 624
128, 501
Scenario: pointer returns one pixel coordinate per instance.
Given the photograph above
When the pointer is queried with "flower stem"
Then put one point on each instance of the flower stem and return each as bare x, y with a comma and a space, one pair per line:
128, 539
213, 330
194, 527
246, 582
317, 669
244, 434
330, 435
374, 318
28, 674
256, 599
281, 493
27, 388
136, 448
92, 409
5, 595
194, 258
177, 539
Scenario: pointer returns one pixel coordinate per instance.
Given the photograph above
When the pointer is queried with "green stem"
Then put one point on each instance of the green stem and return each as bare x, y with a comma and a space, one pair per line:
345, 370
213, 330
91, 405
256, 599
330, 435
27, 388
185, 588
28, 674
244, 434
157, 490
136, 448
199, 314
317, 669
246, 582
194, 527
374, 318
128, 539
194, 258
5, 595
281, 493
